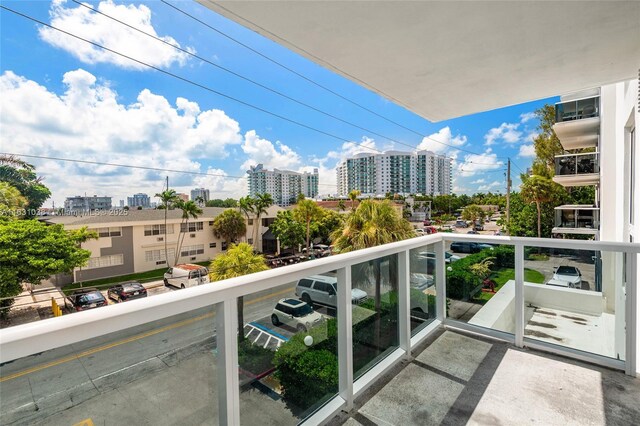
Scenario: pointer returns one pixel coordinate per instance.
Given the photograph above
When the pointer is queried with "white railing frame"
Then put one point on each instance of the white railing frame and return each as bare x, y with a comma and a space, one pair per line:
24, 340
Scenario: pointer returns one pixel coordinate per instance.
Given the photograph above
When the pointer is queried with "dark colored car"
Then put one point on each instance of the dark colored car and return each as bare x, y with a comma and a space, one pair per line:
87, 298
466, 247
127, 291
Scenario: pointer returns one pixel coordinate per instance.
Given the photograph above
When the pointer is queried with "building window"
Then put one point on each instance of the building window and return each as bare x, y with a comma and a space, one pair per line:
250, 241
224, 246
109, 232
104, 261
192, 250
212, 245
157, 230
191, 227
158, 255
250, 222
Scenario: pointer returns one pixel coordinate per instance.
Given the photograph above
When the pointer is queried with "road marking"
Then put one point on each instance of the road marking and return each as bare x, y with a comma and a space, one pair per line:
85, 422
128, 340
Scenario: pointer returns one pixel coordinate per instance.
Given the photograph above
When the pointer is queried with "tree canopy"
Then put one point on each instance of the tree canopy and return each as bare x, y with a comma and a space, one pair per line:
287, 229
229, 225
31, 251
22, 176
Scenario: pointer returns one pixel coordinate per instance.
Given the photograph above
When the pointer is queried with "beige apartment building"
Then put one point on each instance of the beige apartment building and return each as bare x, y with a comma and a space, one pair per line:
134, 241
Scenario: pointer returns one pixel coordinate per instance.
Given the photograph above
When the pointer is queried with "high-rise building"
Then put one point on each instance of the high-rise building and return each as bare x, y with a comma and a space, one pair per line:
83, 203
182, 196
284, 186
200, 192
397, 172
139, 200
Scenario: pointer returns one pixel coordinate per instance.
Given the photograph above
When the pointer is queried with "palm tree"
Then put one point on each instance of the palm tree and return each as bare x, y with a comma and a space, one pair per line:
305, 212
168, 197
238, 260
199, 200
341, 206
189, 209
538, 189
261, 203
372, 224
229, 225
245, 204
353, 196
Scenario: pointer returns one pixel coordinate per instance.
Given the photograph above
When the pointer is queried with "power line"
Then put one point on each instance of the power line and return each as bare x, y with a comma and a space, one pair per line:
130, 166
315, 83
246, 78
184, 79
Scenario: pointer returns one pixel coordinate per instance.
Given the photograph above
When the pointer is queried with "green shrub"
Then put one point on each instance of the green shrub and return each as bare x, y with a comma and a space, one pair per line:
505, 257
254, 359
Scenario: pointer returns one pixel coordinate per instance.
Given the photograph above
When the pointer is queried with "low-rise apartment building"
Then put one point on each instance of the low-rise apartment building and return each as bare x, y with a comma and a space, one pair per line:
134, 241
81, 203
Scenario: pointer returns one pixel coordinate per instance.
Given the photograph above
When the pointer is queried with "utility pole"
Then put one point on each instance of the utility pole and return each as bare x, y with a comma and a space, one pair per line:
167, 183
508, 193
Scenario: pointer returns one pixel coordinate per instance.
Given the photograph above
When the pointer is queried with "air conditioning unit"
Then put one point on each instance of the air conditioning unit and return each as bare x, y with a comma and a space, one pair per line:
193, 235
193, 258
161, 262
160, 238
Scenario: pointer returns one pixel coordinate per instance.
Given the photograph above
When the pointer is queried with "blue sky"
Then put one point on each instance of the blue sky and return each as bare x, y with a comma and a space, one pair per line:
61, 97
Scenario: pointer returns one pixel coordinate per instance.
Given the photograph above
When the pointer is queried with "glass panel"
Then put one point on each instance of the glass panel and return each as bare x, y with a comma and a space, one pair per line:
422, 291
580, 303
288, 361
375, 311
576, 110
163, 372
481, 285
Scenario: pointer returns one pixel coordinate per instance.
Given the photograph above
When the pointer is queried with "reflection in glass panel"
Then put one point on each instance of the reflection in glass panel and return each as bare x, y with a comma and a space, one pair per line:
288, 362
581, 301
480, 286
422, 292
163, 372
375, 311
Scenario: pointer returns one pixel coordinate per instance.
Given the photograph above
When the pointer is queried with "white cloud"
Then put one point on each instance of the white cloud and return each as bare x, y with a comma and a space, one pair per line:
493, 185
87, 122
479, 181
349, 149
507, 132
478, 163
527, 116
527, 151
264, 151
92, 26
442, 141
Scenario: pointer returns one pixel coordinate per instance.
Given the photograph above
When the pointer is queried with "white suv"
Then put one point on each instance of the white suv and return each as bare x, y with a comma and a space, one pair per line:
322, 289
295, 313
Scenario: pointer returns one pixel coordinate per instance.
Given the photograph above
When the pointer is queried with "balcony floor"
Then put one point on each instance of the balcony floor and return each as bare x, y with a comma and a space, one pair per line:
455, 379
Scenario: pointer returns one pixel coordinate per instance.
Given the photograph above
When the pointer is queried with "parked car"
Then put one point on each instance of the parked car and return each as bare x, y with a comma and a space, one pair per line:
461, 224
296, 314
468, 247
127, 291
567, 274
186, 275
419, 232
322, 290
430, 230
421, 281
473, 231
87, 298
448, 256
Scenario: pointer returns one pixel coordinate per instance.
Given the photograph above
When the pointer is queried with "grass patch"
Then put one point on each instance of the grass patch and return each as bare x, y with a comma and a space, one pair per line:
538, 256
502, 276
103, 283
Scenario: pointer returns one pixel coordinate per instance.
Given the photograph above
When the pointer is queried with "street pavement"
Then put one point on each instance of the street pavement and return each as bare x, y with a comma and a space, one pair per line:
95, 378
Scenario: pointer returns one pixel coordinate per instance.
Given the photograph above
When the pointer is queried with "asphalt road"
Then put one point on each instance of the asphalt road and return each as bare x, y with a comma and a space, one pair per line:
38, 386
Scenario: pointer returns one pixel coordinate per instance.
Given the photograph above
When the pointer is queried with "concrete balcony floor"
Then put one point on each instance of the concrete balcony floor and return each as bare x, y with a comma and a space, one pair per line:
456, 379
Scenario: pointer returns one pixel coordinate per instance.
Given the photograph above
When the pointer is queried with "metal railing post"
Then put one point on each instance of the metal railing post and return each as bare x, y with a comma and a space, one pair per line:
345, 337
631, 314
441, 281
404, 303
227, 365
519, 295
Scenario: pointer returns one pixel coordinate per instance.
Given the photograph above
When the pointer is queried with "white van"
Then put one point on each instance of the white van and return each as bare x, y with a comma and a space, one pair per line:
186, 275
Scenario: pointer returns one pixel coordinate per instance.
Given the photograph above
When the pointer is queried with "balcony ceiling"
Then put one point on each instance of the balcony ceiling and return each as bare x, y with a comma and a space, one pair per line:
447, 59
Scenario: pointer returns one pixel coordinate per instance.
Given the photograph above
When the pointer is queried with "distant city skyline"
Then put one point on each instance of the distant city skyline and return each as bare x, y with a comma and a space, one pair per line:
112, 110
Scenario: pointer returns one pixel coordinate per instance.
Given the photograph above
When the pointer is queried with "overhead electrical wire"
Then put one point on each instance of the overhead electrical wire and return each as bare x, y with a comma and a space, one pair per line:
184, 79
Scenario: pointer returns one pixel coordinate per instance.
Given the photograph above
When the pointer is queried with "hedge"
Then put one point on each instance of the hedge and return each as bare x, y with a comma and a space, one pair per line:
462, 284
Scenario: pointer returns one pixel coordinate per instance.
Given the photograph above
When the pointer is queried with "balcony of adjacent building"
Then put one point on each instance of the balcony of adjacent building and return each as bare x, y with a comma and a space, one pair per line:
578, 123
577, 219
577, 169
403, 336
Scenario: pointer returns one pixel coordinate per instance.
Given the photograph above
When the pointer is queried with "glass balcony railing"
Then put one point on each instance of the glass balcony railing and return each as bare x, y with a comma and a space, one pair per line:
577, 164
300, 343
577, 110
577, 217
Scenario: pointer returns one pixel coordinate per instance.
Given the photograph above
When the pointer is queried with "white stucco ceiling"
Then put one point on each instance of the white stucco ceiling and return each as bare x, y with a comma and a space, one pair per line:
448, 59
